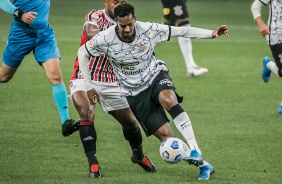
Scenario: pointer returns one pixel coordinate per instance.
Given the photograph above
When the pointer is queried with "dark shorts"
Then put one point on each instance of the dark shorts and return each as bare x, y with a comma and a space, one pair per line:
277, 54
146, 106
174, 9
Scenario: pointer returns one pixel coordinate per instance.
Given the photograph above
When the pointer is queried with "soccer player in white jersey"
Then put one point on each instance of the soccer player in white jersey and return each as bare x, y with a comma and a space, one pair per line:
273, 34
104, 81
144, 79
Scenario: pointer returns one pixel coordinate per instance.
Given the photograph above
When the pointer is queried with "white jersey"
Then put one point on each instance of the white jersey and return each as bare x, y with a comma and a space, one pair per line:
134, 63
274, 21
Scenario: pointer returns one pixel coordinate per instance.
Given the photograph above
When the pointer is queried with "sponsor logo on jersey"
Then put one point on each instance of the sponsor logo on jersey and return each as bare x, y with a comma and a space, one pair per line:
130, 70
166, 11
130, 64
178, 10
90, 43
142, 47
95, 16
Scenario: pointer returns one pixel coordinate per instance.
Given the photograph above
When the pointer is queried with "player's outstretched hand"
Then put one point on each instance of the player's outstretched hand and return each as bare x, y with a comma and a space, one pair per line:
263, 29
93, 96
29, 17
220, 31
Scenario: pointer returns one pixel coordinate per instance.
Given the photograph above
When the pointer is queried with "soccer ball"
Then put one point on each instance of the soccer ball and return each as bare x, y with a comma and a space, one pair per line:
173, 150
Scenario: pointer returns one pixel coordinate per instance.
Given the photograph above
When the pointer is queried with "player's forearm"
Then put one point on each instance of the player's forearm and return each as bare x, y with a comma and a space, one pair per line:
259, 21
83, 60
7, 6
92, 33
191, 32
90, 30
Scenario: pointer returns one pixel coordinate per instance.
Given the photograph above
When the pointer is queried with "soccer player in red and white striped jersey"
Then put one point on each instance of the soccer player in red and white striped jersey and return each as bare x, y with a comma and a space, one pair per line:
100, 68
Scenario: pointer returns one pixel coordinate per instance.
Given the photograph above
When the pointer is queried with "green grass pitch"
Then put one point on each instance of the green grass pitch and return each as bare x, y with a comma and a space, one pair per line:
234, 114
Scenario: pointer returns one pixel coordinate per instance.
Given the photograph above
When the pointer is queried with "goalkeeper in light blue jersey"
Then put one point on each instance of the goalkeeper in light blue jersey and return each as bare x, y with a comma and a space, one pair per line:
30, 31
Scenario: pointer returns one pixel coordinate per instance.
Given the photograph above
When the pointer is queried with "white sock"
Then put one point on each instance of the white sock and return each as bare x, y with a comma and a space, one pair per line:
186, 49
188, 153
205, 163
183, 124
272, 66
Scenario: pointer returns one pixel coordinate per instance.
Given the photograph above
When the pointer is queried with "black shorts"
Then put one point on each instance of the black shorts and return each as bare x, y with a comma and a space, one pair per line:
174, 9
146, 106
277, 53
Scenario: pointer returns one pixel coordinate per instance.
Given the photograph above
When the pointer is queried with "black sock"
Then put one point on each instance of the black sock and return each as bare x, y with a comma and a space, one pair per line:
88, 139
175, 111
92, 158
134, 137
137, 152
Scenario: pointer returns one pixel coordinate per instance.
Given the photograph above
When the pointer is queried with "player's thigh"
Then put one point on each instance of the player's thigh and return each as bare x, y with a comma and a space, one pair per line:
163, 91
125, 117
150, 115
156, 119
78, 93
80, 99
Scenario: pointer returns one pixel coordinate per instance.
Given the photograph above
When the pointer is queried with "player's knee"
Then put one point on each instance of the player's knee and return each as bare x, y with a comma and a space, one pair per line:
86, 112
5, 78
55, 77
168, 101
130, 125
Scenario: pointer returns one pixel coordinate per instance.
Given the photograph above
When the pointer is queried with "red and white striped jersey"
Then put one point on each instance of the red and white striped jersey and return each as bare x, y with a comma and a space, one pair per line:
100, 67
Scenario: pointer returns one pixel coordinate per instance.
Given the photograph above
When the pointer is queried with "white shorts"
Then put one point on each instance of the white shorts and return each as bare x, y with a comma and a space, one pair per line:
110, 93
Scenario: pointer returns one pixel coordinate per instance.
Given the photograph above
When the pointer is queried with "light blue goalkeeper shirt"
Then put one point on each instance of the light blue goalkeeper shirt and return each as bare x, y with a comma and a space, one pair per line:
41, 7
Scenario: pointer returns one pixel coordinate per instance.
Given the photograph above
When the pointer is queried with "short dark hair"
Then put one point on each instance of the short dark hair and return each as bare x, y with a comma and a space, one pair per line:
123, 10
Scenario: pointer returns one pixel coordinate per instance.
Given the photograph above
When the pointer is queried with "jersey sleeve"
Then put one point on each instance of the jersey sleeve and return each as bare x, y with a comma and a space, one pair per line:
7, 6
94, 17
95, 45
158, 32
191, 32
256, 9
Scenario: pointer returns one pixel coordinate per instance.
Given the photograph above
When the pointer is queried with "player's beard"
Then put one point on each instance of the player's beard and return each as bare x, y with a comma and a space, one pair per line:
128, 36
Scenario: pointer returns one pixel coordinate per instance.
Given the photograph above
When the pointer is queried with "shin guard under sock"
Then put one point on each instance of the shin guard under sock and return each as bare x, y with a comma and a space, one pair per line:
135, 141
88, 139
